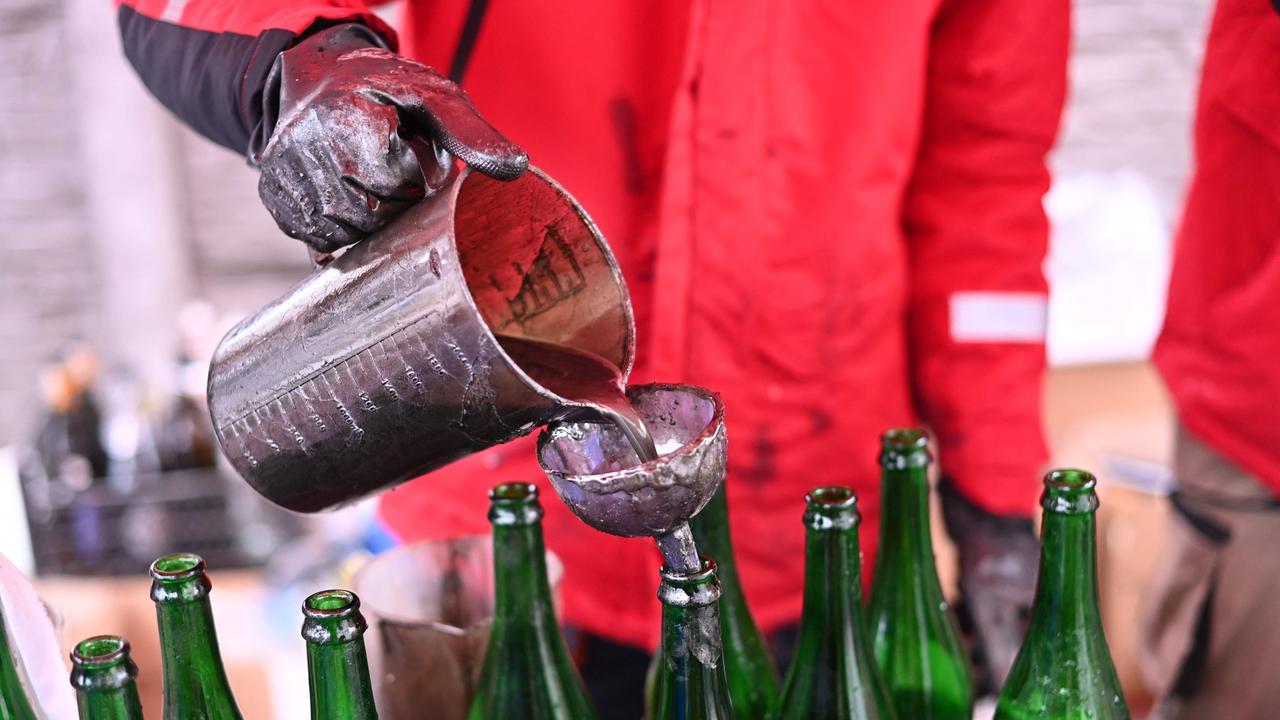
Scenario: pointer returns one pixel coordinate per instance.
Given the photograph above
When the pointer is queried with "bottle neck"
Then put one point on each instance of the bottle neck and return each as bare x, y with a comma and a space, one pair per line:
711, 532
340, 685
692, 680
193, 672
110, 694
1067, 589
832, 585
523, 593
905, 535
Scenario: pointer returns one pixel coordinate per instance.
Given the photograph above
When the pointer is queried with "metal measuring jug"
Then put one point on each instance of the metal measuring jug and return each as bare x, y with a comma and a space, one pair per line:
383, 365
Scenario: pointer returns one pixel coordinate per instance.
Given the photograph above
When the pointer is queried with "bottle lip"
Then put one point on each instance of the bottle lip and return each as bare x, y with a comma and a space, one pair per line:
514, 504
100, 651
177, 567
332, 604
332, 617
831, 507
1069, 491
689, 590
179, 577
903, 448
702, 576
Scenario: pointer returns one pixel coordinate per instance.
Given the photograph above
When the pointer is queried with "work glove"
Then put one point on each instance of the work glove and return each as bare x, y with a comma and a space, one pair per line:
999, 556
361, 133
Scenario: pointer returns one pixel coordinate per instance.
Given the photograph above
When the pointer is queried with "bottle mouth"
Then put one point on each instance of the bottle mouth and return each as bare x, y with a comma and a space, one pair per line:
704, 574
100, 651
1069, 491
331, 604
902, 448
514, 504
332, 617
514, 492
688, 590
178, 566
831, 507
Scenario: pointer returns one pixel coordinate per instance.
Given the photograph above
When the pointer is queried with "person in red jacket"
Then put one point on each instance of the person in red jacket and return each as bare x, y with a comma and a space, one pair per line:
827, 211
1211, 624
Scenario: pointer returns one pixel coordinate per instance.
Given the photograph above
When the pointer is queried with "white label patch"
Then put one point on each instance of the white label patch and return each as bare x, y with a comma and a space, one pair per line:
989, 316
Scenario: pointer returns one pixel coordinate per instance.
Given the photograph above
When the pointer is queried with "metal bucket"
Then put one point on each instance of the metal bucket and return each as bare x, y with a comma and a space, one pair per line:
383, 364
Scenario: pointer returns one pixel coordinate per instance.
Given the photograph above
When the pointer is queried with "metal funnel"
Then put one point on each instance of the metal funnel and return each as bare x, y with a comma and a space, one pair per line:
598, 475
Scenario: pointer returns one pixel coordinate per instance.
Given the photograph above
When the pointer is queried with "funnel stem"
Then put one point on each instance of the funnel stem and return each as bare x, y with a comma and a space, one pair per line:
679, 551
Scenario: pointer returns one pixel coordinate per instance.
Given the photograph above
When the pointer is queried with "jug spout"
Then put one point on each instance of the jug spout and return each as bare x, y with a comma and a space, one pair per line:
383, 364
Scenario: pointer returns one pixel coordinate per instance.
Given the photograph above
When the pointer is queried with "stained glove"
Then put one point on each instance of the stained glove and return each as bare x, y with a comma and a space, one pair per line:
360, 134
999, 557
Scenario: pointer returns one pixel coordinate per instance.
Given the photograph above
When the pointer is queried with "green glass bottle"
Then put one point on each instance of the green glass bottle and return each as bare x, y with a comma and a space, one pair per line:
833, 674
195, 684
915, 641
753, 679
691, 683
104, 676
14, 702
527, 669
1064, 670
337, 663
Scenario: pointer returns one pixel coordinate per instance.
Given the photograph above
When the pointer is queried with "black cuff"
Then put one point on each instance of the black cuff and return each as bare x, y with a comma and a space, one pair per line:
345, 35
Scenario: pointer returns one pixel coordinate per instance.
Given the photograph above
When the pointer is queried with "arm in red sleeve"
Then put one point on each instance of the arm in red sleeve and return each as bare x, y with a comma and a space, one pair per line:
208, 60
977, 235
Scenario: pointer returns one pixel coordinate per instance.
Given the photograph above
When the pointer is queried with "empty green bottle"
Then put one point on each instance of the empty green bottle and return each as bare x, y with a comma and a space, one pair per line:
527, 669
195, 684
1063, 670
913, 637
104, 676
833, 674
691, 682
337, 664
14, 703
753, 680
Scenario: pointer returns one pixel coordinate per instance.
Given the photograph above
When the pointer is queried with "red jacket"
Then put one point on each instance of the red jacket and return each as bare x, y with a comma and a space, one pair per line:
1220, 348
828, 211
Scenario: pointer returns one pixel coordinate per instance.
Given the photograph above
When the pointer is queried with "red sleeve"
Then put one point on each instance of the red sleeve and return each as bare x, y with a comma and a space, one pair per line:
208, 60
977, 235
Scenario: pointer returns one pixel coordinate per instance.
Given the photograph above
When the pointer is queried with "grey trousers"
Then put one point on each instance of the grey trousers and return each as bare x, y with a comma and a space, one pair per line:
1211, 630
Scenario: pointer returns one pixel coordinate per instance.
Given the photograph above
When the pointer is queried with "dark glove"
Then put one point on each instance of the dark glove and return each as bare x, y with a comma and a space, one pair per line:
999, 557
361, 134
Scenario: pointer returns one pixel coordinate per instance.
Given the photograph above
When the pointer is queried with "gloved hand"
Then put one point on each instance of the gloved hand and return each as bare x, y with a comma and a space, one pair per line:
361, 133
999, 558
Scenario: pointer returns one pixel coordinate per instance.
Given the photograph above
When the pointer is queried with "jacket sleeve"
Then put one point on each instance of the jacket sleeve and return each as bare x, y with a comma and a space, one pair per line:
977, 236
208, 60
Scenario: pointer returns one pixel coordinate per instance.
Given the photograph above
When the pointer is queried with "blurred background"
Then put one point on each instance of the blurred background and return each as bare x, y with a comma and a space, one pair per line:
128, 245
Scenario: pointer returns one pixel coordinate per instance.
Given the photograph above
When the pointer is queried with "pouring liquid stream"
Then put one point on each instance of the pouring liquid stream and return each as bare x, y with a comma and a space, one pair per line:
586, 378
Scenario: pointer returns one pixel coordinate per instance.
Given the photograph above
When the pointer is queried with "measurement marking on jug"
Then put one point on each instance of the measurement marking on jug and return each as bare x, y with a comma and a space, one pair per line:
297, 437
414, 380
319, 423
435, 365
462, 356
367, 402
346, 415
391, 390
